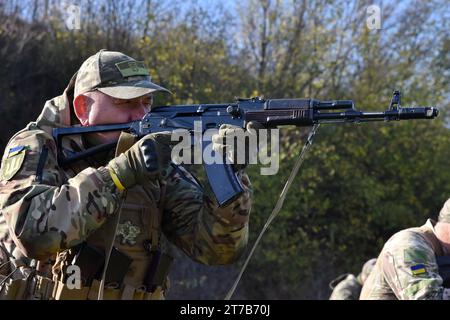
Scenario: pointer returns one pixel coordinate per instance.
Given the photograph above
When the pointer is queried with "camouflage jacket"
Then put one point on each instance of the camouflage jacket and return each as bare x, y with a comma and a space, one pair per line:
406, 268
347, 289
45, 209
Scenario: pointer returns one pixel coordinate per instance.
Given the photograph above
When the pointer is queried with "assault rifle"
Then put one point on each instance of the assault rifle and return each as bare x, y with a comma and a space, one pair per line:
271, 113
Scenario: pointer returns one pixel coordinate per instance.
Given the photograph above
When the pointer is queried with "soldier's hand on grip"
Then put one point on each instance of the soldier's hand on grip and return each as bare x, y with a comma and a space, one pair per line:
145, 160
241, 153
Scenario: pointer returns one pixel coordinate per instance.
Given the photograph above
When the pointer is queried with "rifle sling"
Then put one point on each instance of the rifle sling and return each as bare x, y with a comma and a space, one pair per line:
126, 140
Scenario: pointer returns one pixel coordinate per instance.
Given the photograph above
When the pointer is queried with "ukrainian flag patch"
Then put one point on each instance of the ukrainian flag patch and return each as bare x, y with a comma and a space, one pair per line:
16, 150
13, 162
418, 269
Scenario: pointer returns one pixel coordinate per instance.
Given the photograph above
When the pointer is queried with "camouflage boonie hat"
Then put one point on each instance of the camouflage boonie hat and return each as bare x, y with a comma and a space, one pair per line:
444, 215
116, 75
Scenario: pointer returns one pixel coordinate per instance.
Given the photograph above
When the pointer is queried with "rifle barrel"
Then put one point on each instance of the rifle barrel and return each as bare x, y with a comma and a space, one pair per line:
397, 114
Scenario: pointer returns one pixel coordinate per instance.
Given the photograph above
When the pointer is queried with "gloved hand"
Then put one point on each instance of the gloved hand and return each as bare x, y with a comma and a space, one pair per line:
145, 160
232, 154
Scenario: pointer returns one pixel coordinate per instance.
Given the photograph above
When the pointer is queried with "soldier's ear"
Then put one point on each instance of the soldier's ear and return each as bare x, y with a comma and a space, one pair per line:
81, 106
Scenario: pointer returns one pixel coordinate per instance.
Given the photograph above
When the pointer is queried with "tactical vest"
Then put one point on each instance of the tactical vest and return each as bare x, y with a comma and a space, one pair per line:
138, 239
137, 268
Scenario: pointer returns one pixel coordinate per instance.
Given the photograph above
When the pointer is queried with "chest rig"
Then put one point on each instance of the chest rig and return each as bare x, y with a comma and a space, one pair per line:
123, 258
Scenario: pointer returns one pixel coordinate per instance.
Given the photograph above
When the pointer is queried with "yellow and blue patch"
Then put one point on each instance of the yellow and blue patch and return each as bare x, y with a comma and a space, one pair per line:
418, 269
16, 150
13, 162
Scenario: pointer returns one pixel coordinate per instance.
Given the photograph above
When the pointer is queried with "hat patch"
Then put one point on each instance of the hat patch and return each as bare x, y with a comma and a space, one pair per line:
132, 68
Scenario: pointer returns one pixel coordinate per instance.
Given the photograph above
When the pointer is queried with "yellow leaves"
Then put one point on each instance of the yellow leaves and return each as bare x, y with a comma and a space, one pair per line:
318, 83
384, 131
255, 93
208, 90
144, 41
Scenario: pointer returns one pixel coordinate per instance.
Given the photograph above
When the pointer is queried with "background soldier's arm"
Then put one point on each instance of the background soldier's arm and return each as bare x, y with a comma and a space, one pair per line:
410, 269
194, 222
44, 212
347, 289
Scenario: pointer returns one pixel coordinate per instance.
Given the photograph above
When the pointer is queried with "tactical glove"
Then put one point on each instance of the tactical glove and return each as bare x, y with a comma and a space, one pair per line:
242, 152
144, 161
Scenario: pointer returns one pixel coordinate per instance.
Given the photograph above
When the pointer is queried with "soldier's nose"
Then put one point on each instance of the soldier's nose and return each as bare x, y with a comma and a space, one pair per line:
136, 114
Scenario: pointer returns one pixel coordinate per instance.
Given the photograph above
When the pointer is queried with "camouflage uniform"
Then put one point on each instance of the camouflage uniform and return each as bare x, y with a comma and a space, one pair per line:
47, 209
347, 289
350, 287
406, 268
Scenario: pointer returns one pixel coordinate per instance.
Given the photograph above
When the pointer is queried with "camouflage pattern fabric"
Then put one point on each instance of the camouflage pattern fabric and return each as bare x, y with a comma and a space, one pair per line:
43, 212
406, 268
116, 75
347, 289
367, 269
444, 214
348, 286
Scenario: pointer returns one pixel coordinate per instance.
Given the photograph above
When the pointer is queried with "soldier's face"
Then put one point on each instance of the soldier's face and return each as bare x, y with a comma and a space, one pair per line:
97, 108
442, 231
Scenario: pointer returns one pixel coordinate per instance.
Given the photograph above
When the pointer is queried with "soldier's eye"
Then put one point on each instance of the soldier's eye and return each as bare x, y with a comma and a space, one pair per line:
147, 99
121, 101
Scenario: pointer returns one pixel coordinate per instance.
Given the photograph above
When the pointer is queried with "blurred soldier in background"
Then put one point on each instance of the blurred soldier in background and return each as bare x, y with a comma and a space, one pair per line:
347, 286
407, 267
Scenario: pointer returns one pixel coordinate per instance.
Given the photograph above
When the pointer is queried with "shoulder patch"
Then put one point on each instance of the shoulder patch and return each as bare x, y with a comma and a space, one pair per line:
128, 232
13, 162
418, 269
15, 150
412, 255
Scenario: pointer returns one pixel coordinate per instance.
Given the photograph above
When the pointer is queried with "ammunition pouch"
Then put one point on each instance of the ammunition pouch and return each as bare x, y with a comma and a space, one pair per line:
13, 289
90, 261
18, 288
111, 292
43, 288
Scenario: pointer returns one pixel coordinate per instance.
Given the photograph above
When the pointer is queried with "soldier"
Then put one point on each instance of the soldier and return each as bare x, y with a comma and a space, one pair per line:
106, 207
407, 268
348, 286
